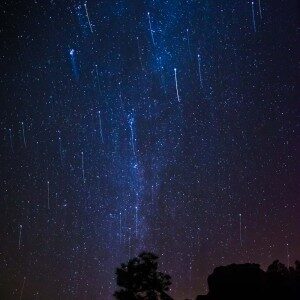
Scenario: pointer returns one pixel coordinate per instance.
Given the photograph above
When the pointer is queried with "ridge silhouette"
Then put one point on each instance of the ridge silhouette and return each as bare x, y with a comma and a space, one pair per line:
140, 279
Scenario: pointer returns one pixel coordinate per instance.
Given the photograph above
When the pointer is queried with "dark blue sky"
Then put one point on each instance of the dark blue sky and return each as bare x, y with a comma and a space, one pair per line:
102, 157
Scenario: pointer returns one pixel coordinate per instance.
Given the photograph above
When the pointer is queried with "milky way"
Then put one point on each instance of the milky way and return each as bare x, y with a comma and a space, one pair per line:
130, 125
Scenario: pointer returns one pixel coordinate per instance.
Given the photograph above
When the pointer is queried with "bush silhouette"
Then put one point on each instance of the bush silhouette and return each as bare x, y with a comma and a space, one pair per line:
139, 279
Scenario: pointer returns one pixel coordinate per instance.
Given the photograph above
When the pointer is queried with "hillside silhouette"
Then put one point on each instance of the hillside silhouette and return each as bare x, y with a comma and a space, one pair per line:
249, 281
140, 279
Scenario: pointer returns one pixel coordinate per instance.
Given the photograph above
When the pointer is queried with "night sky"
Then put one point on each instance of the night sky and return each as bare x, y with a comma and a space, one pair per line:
130, 125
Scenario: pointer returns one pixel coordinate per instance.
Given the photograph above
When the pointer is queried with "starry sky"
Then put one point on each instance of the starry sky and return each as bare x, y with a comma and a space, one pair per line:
130, 125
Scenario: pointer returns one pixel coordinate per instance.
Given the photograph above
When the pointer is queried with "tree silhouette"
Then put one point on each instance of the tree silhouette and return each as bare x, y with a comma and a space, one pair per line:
283, 282
139, 279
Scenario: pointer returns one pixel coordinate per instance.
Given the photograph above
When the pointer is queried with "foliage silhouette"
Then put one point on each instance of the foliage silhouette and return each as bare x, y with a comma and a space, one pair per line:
139, 279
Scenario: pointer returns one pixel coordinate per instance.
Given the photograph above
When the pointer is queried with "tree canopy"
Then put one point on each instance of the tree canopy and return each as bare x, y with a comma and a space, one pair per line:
140, 279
